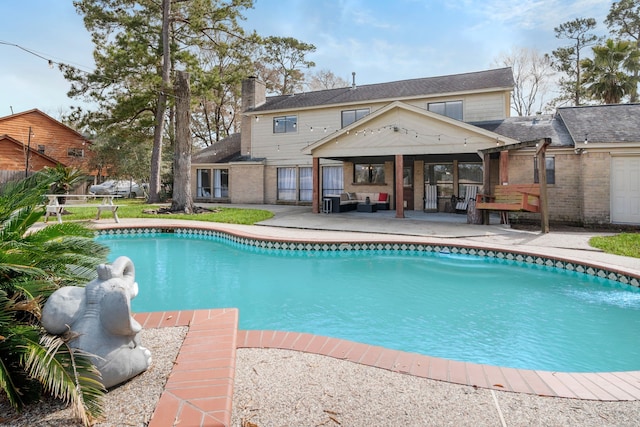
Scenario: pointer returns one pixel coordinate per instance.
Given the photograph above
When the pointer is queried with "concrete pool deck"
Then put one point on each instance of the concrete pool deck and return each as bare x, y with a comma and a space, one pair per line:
200, 389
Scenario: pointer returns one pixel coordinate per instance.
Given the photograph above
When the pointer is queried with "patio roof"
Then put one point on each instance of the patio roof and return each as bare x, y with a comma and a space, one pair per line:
400, 128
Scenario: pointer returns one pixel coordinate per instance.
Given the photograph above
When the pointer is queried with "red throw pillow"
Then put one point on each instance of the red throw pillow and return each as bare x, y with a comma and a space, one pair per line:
382, 197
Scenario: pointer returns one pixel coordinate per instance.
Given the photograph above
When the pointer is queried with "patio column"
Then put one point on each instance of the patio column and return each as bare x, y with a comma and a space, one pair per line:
315, 197
542, 178
399, 186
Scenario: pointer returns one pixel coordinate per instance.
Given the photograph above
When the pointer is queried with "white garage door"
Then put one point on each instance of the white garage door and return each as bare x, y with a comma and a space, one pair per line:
625, 190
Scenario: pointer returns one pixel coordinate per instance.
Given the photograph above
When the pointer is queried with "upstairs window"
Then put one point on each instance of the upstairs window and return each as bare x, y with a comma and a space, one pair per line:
350, 116
452, 109
41, 149
75, 152
285, 124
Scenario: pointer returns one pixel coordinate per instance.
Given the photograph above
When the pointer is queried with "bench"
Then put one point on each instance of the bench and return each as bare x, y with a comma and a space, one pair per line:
512, 197
54, 207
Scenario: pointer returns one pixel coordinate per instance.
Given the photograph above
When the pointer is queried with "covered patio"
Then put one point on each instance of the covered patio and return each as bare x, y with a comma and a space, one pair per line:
407, 147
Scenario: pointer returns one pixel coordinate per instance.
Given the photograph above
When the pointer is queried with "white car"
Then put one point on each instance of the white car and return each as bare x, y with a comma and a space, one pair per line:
120, 188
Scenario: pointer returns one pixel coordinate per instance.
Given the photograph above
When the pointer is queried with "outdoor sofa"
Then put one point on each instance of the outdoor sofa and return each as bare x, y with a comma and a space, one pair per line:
344, 202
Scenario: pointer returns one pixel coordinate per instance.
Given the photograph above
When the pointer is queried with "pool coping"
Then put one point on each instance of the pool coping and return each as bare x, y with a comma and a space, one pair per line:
199, 391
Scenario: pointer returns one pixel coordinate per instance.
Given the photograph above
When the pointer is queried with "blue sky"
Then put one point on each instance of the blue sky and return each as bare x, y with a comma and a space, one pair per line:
379, 40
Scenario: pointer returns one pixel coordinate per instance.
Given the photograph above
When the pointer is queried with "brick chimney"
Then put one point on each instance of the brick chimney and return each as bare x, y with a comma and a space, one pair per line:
254, 94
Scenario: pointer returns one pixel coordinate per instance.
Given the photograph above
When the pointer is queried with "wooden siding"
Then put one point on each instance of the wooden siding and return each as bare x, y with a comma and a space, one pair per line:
13, 158
490, 106
56, 138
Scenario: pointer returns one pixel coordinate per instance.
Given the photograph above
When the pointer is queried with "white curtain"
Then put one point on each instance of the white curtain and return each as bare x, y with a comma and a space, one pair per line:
306, 184
217, 188
286, 183
332, 180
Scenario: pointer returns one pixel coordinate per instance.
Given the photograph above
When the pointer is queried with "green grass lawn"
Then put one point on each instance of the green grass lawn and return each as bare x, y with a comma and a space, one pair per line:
134, 209
627, 244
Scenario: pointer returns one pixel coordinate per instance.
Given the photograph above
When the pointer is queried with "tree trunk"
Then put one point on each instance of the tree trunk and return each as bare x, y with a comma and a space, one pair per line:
182, 200
156, 153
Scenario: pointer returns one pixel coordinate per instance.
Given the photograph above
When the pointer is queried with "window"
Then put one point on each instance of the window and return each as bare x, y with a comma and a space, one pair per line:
452, 109
369, 173
440, 175
306, 184
285, 124
468, 174
407, 176
287, 183
220, 183
41, 149
550, 164
75, 152
350, 116
332, 180
203, 185
290, 188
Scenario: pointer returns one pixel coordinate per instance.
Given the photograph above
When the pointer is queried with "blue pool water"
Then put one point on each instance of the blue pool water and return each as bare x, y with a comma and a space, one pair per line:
467, 308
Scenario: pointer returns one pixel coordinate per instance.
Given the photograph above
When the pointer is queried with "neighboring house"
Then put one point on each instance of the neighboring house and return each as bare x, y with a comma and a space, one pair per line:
49, 143
399, 137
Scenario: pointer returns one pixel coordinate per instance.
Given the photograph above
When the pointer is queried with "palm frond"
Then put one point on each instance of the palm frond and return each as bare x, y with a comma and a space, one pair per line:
7, 383
68, 374
26, 192
55, 231
19, 221
14, 380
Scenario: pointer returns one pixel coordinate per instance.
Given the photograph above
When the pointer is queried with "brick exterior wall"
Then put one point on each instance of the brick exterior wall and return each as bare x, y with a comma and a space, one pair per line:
246, 182
271, 184
596, 173
580, 194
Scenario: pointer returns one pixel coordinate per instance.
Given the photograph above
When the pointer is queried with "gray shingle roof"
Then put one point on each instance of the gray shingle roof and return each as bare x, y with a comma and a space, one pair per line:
223, 151
530, 129
603, 123
499, 78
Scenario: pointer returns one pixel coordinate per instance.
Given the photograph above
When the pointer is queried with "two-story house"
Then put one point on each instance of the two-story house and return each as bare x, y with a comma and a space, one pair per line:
32, 140
398, 138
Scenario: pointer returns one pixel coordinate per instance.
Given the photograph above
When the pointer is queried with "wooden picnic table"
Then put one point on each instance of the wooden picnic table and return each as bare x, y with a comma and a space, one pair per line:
79, 201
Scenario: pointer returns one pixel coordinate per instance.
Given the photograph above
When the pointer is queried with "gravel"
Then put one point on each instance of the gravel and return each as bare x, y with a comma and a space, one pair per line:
130, 404
286, 388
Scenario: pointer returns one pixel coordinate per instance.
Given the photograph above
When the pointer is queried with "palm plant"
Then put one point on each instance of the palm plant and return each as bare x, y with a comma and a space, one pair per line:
609, 75
67, 178
33, 264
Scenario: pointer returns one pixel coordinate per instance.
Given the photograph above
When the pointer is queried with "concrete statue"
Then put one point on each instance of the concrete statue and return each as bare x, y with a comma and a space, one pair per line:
99, 317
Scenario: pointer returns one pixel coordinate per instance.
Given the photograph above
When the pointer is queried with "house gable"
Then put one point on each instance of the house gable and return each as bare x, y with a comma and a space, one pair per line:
400, 128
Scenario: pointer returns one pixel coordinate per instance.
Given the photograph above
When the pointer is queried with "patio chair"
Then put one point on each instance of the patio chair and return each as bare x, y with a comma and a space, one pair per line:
463, 202
430, 198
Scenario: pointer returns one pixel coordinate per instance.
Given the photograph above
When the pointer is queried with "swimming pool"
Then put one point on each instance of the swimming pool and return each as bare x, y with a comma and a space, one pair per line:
470, 308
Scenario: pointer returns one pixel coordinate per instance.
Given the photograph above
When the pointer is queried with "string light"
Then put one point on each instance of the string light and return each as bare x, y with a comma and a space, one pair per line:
80, 69
396, 128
